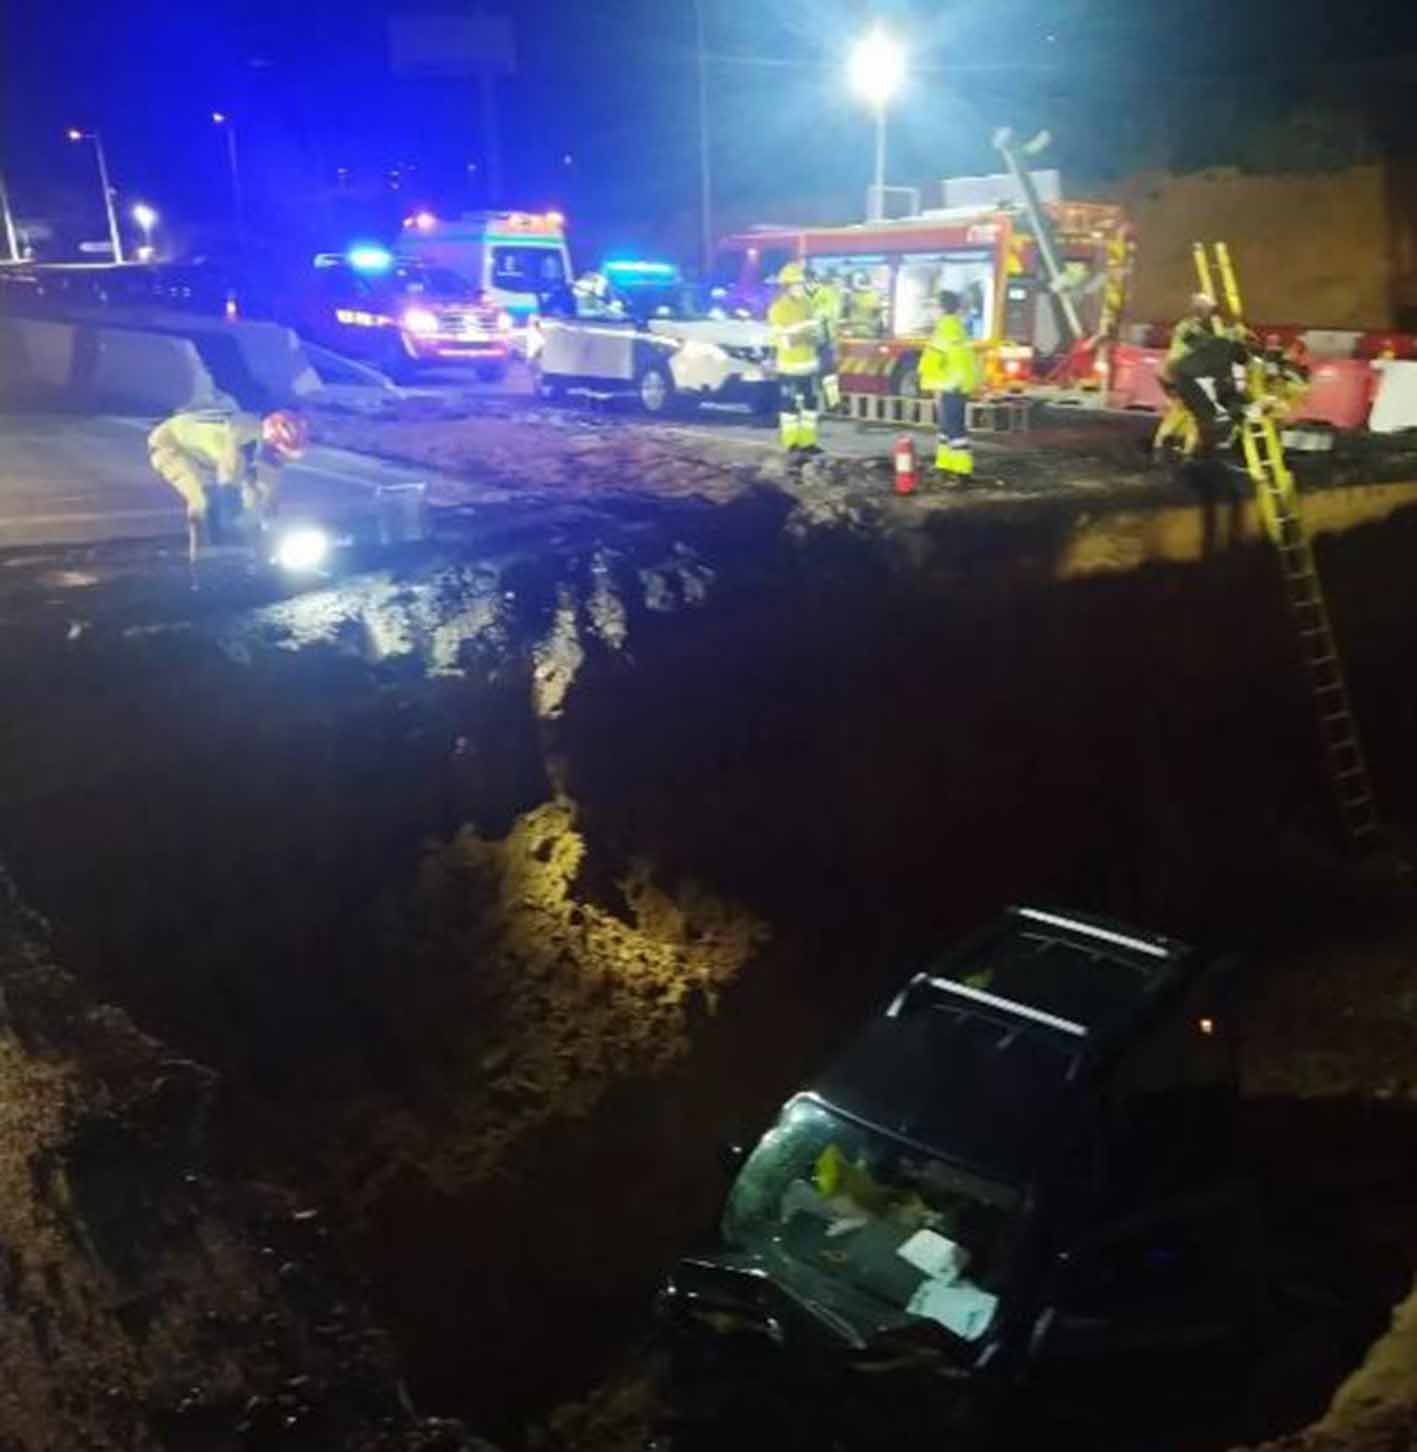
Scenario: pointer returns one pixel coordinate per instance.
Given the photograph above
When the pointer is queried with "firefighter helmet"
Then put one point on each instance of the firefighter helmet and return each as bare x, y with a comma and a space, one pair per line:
793, 274
286, 433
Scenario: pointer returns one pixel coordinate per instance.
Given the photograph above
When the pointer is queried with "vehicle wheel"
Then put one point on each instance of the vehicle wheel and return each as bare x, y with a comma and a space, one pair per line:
905, 381
655, 389
492, 372
551, 389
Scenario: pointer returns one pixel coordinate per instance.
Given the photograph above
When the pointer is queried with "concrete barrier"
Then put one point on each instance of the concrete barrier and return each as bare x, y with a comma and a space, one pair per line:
121, 368
35, 357
147, 372
260, 364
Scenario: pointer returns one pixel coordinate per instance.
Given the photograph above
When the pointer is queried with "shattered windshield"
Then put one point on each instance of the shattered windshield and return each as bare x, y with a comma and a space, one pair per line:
917, 1233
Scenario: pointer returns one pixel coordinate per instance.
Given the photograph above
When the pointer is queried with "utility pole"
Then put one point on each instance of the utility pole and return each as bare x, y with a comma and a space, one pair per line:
705, 189
11, 236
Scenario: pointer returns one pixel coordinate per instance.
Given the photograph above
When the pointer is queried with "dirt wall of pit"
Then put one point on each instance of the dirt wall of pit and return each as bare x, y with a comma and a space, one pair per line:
498, 892
1328, 250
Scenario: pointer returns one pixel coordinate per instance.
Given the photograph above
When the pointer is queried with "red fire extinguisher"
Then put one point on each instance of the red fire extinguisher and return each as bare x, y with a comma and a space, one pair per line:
907, 474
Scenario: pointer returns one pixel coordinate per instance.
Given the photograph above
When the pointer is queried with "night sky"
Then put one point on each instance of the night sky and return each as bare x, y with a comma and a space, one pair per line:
610, 84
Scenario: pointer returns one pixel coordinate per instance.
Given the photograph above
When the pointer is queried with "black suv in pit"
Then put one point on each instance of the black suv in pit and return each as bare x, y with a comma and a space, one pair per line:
1013, 1193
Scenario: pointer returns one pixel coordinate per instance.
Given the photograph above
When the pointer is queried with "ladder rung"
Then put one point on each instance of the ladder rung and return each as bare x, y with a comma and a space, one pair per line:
1335, 716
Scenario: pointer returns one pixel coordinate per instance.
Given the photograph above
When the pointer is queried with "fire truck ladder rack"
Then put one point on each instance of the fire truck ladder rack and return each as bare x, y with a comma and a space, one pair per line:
1284, 523
1007, 414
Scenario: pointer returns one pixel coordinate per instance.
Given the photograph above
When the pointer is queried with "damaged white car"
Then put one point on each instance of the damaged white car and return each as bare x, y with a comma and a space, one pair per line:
656, 344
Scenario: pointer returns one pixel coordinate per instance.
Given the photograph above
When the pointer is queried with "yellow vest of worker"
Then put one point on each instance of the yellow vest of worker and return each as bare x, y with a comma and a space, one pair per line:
211, 437
948, 364
827, 303
796, 331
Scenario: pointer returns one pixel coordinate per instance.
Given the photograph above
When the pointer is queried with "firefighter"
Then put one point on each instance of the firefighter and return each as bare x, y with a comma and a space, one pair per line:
948, 369
829, 304
1204, 347
241, 451
865, 311
797, 334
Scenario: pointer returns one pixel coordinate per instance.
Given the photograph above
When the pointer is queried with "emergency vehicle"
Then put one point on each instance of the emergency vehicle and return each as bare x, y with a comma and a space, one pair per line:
1041, 330
512, 258
399, 315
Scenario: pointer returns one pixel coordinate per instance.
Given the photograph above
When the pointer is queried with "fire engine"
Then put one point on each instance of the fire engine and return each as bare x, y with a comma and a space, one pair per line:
1042, 279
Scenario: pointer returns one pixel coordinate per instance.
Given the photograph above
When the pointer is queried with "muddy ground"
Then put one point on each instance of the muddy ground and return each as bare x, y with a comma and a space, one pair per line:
499, 883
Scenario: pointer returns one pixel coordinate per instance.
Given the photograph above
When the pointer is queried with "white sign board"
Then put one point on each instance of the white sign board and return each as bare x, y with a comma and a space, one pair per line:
983, 192
1395, 407
452, 45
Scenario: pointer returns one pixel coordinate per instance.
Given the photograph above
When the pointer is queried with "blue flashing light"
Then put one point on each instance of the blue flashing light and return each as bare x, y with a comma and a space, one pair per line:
659, 271
366, 258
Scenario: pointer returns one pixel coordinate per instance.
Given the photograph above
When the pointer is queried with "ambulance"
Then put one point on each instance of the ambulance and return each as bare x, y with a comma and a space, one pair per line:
514, 259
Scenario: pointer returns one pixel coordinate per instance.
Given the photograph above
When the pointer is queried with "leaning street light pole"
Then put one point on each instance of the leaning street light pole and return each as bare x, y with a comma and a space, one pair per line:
115, 240
220, 118
876, 69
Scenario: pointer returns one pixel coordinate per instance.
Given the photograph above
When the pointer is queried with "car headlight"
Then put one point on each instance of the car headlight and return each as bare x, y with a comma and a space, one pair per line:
420, 320
301, 549
505, 322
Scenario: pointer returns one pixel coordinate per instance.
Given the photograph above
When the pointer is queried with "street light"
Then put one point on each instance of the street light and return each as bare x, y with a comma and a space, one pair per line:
74, 134
876, 69
146, 218
220, 118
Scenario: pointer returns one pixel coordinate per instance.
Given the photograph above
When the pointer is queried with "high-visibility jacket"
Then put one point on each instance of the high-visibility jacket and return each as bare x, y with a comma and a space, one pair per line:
1203, 347
797, 333
828, 304
865, 312
948, 364
227, 444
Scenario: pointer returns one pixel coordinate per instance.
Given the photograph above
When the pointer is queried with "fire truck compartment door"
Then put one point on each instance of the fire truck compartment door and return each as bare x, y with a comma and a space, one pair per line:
924, 275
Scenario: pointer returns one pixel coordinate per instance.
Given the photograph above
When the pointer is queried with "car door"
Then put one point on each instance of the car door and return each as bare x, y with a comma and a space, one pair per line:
606, 343
1162, 1305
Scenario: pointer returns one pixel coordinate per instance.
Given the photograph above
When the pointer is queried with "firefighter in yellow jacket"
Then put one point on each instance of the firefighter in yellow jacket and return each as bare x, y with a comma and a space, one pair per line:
948, 369
242, 451
797, 332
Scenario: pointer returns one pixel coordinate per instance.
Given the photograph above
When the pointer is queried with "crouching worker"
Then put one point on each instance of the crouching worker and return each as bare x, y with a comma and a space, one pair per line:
242, 452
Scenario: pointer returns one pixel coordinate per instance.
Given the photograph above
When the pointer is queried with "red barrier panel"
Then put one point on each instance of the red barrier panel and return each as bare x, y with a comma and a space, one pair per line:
1340, 393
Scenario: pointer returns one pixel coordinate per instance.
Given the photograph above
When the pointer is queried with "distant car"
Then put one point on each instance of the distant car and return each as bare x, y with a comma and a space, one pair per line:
1014, 1189
400, 316
655, 344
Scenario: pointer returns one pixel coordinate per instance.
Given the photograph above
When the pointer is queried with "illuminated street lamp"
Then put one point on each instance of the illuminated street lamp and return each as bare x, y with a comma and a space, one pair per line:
146, 218
74, 134
220, 118
876, 70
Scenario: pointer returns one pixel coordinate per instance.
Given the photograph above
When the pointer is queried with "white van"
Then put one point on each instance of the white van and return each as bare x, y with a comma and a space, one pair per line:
513, 258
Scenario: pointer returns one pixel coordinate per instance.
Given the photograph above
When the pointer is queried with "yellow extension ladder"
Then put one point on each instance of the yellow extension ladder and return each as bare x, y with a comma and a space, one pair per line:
1284, 523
